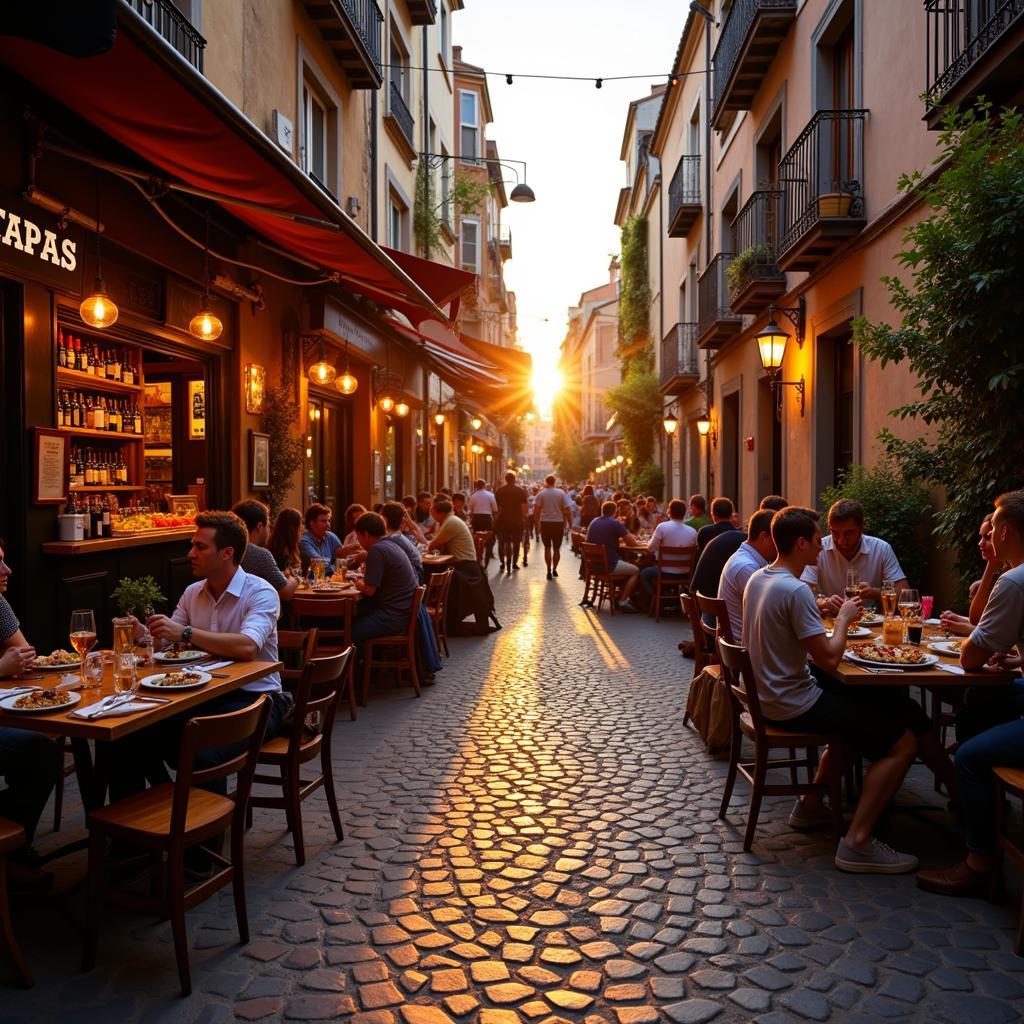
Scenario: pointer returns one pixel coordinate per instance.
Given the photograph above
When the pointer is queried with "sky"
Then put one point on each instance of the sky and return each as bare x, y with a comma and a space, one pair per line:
569, 134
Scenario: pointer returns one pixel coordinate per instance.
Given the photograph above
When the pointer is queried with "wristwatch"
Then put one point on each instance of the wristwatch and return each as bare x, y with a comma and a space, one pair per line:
186, 634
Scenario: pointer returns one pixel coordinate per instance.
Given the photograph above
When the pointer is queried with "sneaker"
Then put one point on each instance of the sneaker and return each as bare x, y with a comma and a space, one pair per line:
626, 609
549, 574
877, 859
803, 817
554, 572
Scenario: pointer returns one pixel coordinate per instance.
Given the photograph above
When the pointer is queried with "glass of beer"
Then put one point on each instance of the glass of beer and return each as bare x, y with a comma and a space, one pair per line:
888, 598
319, 569
124, 634
892, 631
82, 636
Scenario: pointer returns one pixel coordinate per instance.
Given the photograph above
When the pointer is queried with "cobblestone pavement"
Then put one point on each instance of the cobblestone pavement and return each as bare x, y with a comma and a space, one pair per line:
534, 841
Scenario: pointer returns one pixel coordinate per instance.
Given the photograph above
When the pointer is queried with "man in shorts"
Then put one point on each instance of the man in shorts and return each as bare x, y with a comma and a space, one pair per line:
608, 530
781, 627
552, 513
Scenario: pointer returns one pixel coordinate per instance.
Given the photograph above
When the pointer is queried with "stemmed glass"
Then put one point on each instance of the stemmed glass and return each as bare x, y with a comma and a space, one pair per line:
909, 603
82, 635
853, 587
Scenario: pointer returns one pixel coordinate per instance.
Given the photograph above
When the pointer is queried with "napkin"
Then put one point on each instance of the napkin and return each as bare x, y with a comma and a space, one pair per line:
955, 670
213, 666
124, 708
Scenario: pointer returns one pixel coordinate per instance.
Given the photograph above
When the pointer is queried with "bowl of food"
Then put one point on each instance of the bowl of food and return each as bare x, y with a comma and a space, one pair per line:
187, 680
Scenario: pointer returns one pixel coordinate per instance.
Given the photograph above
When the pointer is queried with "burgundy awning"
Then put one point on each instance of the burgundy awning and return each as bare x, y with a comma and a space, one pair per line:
150, 100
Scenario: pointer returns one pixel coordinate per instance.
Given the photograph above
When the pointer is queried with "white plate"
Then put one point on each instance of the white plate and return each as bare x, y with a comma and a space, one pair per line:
860, 633
146, 683
183, 658
944, 647
871, 620
70, 667
930, 659
8, 704
933, 622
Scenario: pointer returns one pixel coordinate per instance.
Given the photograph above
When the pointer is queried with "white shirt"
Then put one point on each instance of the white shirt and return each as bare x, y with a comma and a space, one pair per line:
874, 562
742, 564
552, 501
249, 605
673, 533
482, 503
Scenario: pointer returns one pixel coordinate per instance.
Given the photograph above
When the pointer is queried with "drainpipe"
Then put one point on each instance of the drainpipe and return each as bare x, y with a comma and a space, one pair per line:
373, 164
426, 127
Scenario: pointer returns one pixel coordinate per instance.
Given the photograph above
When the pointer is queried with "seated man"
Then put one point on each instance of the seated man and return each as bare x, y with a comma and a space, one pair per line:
459, 505
607, 530
318, 541
470, 593
395, 517
29, 762
753, 554
699, 517
781, 626
673, 533
389, 581
228, 613
996, 640
722, 511
257, 560
849, 547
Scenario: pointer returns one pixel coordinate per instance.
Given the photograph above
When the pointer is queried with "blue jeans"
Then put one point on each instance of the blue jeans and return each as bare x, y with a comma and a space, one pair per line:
1001, 746
378, 622
29, 763
647, 578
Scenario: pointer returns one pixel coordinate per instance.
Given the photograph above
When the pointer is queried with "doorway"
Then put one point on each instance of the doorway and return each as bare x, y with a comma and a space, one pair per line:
768, 439
328, 454
730, 442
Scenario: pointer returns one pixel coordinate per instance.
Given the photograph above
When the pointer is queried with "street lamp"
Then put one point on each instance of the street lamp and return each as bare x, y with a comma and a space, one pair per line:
522, 193
771, 344
671, 424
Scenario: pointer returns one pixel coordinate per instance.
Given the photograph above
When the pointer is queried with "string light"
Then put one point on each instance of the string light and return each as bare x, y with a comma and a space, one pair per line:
672, 76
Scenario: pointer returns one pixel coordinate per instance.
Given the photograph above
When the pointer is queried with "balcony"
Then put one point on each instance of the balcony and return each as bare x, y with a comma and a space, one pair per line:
684, 197
171, 25
821, 178
505, 244
746, 47
352, 29
716, 322
679, 367
422, 12
975, 47
399, 116
754, 277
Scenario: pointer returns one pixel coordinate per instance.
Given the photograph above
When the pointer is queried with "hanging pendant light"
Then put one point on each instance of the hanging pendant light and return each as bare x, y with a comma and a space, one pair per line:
347, 383
401, 409
476, 422
98, 309
206, 325
387, 403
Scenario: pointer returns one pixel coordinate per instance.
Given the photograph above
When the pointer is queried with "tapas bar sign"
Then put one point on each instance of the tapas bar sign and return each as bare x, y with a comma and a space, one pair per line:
37, 245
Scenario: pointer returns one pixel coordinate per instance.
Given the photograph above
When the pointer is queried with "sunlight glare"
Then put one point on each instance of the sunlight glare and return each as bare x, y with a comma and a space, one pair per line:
547, 383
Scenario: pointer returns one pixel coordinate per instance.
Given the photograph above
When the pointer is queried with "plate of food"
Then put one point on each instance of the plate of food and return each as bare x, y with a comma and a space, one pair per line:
187, 680
852, 632
175, 657
56, 661
896, 655
38, 701
871, 619
951, 647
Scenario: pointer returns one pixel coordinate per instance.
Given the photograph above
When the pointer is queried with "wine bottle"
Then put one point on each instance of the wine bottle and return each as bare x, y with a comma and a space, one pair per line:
127, 369
61, 353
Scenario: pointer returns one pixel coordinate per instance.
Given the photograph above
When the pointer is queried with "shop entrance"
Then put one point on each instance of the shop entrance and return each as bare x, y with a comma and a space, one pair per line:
329, 455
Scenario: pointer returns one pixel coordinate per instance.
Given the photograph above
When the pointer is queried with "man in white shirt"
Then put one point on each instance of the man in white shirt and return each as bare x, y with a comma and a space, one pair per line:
227, 613
753, 554
552, 513
849, 547
483, 507
673, 533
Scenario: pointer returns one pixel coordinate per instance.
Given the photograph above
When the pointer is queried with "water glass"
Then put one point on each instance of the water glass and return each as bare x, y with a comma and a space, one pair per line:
892, 631
124, 633
92, 671
126, 678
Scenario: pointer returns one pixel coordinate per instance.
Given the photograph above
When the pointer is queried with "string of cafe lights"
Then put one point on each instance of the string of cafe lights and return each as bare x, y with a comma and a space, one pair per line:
510, 76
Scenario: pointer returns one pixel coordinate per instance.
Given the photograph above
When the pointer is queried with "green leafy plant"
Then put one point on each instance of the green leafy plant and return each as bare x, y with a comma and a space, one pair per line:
287, 451
896, 508
637, 403
515, 435
959, 332
635, 349
137, 596
430, 209
738, 270
573, 459
647, 479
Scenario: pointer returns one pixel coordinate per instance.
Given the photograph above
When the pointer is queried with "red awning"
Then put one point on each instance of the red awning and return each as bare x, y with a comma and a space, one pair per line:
147, 98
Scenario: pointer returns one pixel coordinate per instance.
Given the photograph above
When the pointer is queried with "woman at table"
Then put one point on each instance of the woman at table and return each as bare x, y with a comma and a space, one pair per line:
284, 540
963, 625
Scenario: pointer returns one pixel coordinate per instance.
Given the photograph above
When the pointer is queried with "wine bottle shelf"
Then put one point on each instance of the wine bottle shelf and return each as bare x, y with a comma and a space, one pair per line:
79, 380
108, 435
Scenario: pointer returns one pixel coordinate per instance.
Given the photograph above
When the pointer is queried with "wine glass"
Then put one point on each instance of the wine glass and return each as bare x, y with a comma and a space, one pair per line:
853, 587
909, 603
82, 635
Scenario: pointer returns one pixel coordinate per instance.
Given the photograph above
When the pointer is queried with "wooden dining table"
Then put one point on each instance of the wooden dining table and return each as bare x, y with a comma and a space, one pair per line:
436, 563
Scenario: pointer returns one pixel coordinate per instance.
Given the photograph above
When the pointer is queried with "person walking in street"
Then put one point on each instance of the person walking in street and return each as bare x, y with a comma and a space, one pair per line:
552, 513
512, 508
482, 509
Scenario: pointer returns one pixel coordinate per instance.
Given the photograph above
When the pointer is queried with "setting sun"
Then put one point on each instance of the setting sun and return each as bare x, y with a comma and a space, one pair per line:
547, 382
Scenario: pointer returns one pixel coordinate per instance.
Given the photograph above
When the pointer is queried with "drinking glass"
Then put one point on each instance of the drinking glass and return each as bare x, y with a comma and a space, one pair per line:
82, 635
853, 589
319, 569
126, 679
909, 603
124, 634
92, 674
892, 631
888, 594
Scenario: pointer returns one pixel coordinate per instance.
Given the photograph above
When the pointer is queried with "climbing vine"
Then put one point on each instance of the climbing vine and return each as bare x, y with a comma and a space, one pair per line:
635, 349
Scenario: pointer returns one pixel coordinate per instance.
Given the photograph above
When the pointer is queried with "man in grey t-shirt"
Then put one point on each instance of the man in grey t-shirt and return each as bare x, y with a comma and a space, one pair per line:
257, 560
552, 512
781, 627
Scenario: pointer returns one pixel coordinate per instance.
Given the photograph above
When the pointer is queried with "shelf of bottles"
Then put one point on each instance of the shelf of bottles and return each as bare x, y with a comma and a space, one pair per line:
100, 402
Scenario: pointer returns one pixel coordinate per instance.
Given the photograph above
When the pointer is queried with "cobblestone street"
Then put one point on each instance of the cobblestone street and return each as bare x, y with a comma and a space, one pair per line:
537, 838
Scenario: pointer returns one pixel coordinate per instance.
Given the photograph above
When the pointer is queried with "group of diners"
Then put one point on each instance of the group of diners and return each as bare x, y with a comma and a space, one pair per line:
782, 575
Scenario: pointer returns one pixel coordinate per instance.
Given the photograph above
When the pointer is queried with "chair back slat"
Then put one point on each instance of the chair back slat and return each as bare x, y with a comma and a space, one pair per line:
247, 725
595, 559
676, 560
704, 651
438, 585
414, 612
319, 690
717, 609
303, 640
739, 675
329, 612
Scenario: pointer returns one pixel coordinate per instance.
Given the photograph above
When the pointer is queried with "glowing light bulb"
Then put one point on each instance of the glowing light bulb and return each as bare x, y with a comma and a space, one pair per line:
387, 403
205, 326
347, 384
401, 409
98, 310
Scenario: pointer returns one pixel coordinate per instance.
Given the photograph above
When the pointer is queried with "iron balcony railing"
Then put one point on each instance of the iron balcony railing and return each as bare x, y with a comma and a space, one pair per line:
684, 188
367, 19
821, 174
713, 301
733, 37
168, 22
755, 233
400, 112
960, 33
679, 353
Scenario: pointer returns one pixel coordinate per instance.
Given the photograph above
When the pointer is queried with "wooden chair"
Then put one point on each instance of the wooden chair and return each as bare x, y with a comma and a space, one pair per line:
748, 721
303, 640
674, 568
316, 697
704, 652
576, 539
327, 612
599, 584
406, 641
484, 541
64, 769
1008, 782
439, 584
12, 837
174, 817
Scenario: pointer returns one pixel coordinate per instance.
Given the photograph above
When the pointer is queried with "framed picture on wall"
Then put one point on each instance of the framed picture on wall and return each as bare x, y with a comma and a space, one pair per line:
196, 410
50, 466
259, 461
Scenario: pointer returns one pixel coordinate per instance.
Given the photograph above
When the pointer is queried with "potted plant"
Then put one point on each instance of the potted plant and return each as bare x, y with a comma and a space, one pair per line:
738, 271
835, 204
137, 597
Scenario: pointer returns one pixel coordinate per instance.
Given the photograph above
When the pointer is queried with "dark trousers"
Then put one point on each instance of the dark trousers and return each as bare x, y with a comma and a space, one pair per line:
144, 755
510, 536
29, 764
